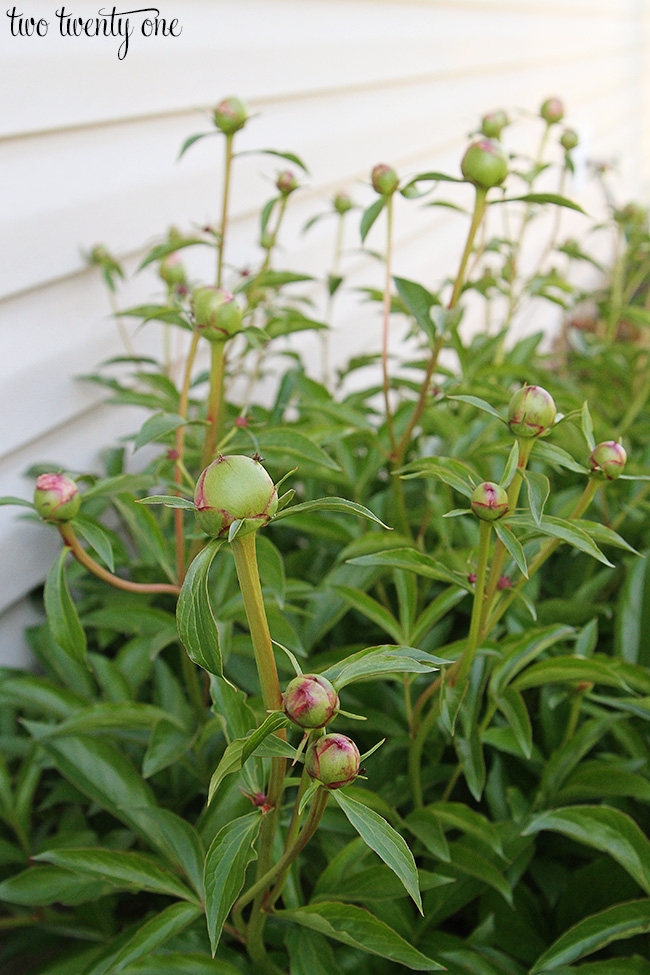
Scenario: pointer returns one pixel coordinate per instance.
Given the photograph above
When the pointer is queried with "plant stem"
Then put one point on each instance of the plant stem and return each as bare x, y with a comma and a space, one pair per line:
465, 662
525, 447
325, 337
386, 323
180, 450
67, 534
215, 397
415, 753
477, 216
545, 553
243, 550
224, 208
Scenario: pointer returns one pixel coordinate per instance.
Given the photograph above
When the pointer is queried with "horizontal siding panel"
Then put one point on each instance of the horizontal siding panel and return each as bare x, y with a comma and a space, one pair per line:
268, 51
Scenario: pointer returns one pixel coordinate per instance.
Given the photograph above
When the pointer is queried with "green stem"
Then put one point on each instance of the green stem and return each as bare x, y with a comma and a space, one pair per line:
415, 753
215, 398
179, 467
224, 208
465, 662
386, 323
325, 334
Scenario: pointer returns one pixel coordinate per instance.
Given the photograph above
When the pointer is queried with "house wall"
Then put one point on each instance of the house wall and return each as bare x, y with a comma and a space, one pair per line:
88, 147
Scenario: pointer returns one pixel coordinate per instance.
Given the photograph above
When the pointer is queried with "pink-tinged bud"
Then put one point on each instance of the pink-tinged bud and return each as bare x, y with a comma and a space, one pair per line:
569, 139
234, 488
608, 457
56, 497
485, 164
310, 701
217, 315
172, 271
493, 124
384, 179
552, 111
342, 203
230, 115
531, 411
286, 182
505, 582
333, 760
489, 501
471, 578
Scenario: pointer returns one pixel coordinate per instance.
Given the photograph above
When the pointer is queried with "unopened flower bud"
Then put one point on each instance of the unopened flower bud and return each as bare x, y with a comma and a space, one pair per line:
552, 111
342, 203
608, 457
531, 411
569, 139
234, 488
485, 164
230, 115
494, 123
489, 501
56, 497
384, 179
286, 182
504, 582
471, 578
172, 271
310, 701
333, 760
266, 241
217, 315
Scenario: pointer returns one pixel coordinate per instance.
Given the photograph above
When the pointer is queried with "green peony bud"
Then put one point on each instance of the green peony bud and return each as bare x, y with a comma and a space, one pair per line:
310, 701
230, 115
286, 182
552, 111
333, 760
384, 179
217, 315
56, 497
342, 203
489, 501
608, 457
485, 164
234, 488
172, 271
494, 123
531, 411
569, 139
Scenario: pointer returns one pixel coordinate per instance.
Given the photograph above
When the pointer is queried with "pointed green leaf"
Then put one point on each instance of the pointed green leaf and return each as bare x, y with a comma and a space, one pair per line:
370, 215
97, 537
157, 426
154, 933
595, 932
539, 489
513, 546
61, 611
480, 404
381, 661
225, 870
197, 627
115, 866
512, 705
331, 504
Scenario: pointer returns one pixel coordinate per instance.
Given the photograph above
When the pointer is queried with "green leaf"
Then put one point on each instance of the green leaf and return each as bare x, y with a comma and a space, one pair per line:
225, 870
566, 531
9, 499
605, 829
44, 885
569, 670
424, 824
512, 705
455, 815
291, 443
411, 191
191, 140
595, 932
176, 839
412, 561
370, 215
523, 651
513, 546
381, 661
385, 841
480, 404
470, 755
27, 691
124, 869
197, 626
239, 751
171, 246
154, 933
61, 612
372, 610
169, 500
179, 963
448, 470
511, 466
360, 929
289, 156
466, 858
310, 953
555, 198
157, 426
272, 723
418, 301
97, 537
539, 489
331, 504
587, 425
557, 457
106, 715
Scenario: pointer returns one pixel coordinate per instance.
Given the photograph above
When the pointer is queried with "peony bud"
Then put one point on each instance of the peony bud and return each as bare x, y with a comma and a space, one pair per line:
333, 760
489, 501
234, 488
230, 115
286, 182
531, 411
384, 179
485, 164
56, 497
218, 316
552, 111
569, 139
493, 124
172, 271
608, 457
342, 203
310, 701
